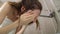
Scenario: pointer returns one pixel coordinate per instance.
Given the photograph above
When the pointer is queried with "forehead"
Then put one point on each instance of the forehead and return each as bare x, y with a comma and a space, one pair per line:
36, 11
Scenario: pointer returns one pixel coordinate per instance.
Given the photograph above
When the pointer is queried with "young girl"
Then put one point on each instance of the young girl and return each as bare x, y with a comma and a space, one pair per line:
22, 14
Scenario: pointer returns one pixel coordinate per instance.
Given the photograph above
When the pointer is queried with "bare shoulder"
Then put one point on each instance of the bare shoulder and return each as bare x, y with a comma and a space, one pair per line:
6, 3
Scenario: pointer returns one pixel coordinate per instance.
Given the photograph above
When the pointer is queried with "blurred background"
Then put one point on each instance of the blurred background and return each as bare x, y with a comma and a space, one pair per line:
49, 6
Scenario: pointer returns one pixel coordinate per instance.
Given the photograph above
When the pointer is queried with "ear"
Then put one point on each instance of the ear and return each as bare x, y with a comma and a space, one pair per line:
22, 8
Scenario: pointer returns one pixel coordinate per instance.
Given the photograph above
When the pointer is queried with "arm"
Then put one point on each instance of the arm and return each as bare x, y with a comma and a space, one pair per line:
24, 20
4, 10
22, 29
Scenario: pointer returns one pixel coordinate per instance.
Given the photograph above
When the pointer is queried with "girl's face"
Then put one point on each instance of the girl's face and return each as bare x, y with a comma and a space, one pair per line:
36, 12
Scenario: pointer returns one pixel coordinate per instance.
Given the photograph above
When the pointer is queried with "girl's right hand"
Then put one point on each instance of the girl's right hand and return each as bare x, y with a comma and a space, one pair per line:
26, 18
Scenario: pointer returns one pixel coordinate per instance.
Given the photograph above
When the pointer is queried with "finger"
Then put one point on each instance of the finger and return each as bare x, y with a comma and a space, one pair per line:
27, 15
29, 11
30, 16
29, 20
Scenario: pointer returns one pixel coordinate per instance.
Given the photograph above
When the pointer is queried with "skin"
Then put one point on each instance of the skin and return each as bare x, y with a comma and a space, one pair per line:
28, 17
4, 11
36, 13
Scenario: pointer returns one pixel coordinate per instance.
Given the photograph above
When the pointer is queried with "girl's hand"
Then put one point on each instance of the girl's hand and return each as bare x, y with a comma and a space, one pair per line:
27, 17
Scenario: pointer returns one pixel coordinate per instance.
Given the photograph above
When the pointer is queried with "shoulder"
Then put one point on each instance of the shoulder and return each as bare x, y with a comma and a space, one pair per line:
6, 3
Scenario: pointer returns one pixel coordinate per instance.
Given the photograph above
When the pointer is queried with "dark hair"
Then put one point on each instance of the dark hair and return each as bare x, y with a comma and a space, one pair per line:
29, 5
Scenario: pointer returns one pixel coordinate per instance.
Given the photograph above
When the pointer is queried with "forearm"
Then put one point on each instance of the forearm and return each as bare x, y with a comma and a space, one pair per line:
22, 29
4, 10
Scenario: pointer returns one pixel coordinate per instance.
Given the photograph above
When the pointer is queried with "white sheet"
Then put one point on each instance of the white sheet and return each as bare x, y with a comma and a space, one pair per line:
6, 22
